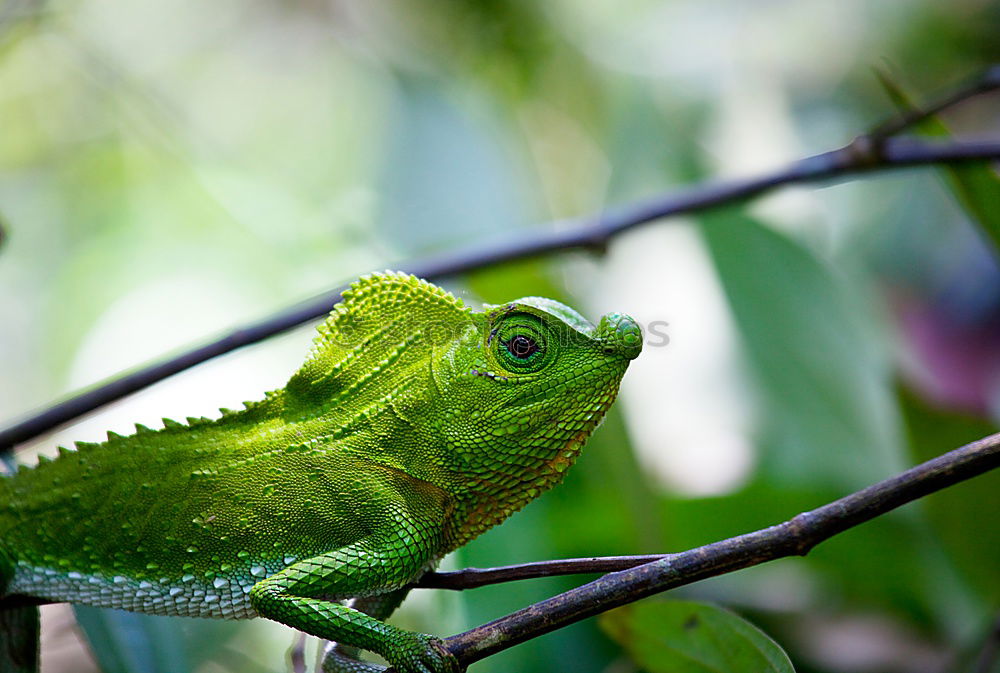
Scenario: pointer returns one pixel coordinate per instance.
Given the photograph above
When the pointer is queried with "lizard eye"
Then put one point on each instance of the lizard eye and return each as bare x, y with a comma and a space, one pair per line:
519, 344
522, 347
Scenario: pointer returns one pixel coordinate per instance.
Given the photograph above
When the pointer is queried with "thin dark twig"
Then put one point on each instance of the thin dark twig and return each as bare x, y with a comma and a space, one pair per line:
594, 233
470, 578
794, 537
907, 119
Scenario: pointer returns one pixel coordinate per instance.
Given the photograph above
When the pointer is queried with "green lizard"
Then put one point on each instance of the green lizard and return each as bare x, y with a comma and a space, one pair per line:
414, 425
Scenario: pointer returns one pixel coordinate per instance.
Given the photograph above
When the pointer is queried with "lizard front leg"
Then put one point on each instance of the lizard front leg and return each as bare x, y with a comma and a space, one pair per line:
341, 658
305, 596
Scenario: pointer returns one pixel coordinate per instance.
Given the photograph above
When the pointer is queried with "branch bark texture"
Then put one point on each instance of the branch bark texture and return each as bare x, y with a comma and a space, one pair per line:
794, 537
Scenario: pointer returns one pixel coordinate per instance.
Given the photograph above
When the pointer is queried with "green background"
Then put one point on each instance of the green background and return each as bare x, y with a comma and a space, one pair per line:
171, 169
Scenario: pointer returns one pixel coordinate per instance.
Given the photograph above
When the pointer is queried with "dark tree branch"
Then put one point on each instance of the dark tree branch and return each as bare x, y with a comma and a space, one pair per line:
866, 153
794, 537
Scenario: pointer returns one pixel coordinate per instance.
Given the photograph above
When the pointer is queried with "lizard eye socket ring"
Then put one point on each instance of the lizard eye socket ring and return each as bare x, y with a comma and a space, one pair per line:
520, 344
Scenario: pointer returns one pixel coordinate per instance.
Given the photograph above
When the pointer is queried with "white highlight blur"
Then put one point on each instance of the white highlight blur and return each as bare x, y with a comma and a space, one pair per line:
686, 409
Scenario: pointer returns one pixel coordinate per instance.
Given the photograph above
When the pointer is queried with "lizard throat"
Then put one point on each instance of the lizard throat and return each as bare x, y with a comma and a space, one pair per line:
498, 496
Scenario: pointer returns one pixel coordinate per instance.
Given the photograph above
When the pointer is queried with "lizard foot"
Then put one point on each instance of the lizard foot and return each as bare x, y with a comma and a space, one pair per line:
421, 653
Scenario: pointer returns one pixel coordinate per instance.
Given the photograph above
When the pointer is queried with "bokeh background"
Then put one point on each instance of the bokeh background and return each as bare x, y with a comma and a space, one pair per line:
171, 169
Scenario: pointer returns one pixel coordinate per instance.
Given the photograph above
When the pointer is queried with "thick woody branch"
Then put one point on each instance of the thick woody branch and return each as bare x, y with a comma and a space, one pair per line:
794, 537
867, 153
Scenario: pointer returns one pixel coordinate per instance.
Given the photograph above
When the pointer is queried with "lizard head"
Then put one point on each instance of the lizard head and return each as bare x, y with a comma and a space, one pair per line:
492, 406
530, 386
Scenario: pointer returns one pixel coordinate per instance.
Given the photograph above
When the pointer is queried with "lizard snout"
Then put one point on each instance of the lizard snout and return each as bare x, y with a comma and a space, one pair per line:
620, 334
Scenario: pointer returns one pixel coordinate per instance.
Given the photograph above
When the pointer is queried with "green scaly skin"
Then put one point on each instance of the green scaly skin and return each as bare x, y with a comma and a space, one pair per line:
414, 425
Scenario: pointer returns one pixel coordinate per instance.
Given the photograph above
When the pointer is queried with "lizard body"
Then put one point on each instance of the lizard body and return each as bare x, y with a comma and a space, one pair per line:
414, 425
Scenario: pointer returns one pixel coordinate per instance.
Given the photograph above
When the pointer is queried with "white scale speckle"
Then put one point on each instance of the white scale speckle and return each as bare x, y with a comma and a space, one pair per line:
192, 598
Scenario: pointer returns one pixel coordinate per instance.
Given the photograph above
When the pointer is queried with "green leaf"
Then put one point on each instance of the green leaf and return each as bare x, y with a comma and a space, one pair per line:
128, 642
688, 637
828, 414
976, 187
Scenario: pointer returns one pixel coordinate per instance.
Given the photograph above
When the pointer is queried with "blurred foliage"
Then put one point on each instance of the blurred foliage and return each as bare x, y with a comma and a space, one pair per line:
171, 169
975, 187
123, 642
973, 542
